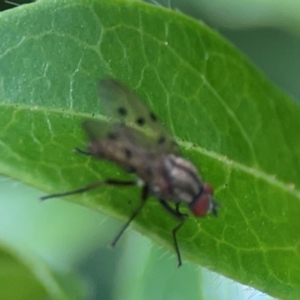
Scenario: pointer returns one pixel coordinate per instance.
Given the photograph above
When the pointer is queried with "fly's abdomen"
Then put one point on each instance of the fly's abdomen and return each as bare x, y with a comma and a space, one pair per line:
131, 159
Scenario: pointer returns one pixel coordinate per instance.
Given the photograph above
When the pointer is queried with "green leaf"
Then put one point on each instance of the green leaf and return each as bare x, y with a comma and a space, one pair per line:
39, 235
32, 278
227, 118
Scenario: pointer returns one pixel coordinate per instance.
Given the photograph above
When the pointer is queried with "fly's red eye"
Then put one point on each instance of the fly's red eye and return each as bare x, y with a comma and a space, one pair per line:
201, 206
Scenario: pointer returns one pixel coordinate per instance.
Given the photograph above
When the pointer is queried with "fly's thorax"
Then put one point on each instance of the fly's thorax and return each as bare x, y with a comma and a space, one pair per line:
186, 186
184, 179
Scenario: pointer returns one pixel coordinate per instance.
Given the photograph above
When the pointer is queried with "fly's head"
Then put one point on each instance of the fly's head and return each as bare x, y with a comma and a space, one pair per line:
204, 202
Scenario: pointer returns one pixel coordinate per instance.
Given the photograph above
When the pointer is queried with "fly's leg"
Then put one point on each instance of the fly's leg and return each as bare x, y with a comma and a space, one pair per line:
144, 196
82, 151
181, 218
181, 215
174, 212
91, 187
174, 232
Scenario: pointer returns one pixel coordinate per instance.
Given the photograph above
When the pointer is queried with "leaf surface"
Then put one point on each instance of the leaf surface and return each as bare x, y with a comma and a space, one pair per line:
226, 117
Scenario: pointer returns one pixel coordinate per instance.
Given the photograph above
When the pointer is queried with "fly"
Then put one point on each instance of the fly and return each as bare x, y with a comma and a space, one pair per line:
140, 144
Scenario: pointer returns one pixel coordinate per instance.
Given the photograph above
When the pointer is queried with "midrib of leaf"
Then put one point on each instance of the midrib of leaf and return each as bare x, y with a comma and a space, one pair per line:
273, 180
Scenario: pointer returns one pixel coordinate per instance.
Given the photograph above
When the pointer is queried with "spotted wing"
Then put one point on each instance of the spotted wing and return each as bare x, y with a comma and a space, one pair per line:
132, 121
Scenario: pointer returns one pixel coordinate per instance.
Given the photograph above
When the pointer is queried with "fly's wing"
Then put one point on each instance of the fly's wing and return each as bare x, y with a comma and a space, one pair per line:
133, 122
98, 130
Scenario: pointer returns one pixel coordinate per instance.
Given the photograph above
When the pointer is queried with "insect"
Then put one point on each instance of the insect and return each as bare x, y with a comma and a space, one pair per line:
136, 141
